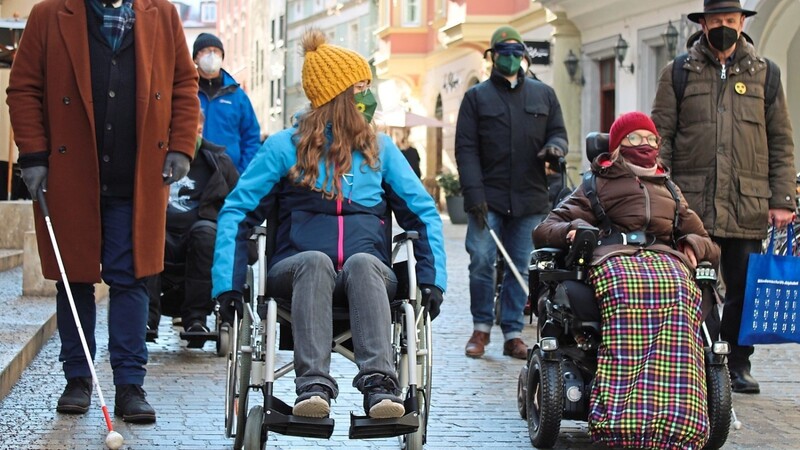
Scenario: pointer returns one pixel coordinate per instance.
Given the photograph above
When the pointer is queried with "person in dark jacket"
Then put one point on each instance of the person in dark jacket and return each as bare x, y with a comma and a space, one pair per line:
194, 202
731, 151
650, 387
507, 127
230, 118
411, 154
332, 181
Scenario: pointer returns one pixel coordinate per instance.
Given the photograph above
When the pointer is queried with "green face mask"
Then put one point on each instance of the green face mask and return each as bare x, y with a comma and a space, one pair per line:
366, 103
508, 64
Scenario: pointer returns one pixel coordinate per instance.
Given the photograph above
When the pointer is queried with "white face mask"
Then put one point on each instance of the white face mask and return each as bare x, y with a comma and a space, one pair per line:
210, 63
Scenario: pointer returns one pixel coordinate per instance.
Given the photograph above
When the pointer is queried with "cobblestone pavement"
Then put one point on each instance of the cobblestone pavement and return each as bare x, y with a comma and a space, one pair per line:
473, 405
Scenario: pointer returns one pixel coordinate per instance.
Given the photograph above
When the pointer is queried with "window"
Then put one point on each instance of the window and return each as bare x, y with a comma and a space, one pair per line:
208, 12
608, 74
352, 38
411, 13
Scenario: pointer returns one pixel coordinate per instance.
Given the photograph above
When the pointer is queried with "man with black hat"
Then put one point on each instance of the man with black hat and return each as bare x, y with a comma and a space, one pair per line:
508, 126
730, 149
230, 118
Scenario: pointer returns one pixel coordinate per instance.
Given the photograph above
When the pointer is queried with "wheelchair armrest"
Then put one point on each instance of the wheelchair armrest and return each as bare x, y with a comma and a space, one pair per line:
406, 235
582, 248
705, 274
546, 253
257, 231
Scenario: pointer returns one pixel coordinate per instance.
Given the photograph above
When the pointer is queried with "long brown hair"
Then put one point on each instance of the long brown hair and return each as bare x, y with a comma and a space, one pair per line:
349, 133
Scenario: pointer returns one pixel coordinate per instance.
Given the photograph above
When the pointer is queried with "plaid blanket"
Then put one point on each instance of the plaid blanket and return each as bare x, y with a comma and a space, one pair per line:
650, 389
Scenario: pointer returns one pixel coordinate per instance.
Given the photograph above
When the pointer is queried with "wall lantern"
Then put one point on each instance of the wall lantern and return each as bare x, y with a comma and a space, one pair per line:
620, 50
571, 63
671, 39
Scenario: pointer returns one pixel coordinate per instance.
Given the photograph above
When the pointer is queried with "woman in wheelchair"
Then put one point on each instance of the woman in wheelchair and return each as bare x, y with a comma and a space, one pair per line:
649, 389
331, 181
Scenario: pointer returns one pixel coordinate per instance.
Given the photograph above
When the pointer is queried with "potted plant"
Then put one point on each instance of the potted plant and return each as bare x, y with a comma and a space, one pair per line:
452, 195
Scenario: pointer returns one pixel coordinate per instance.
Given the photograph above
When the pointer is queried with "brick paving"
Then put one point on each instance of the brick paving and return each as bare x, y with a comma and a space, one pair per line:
473, 405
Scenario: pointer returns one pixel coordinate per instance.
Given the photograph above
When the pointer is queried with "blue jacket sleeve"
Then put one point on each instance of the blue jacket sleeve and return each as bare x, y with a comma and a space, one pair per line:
250, 133
246, 206
415, 210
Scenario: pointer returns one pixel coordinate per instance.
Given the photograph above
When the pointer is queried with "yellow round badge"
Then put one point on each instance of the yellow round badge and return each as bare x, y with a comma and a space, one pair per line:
740, 88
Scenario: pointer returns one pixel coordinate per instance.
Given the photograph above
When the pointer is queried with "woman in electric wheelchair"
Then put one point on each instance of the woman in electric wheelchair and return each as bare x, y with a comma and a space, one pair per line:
332, 180
649, 389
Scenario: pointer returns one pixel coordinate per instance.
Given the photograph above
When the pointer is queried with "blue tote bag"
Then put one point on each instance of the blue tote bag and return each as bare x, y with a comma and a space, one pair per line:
772, 296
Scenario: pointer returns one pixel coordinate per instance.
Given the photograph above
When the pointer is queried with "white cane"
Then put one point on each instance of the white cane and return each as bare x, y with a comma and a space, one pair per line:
511, 265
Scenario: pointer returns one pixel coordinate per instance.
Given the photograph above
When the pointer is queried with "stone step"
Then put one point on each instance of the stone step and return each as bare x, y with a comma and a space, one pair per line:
10, 258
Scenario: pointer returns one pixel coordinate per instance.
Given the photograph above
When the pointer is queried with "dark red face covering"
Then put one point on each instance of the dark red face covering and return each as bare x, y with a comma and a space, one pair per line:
642, 155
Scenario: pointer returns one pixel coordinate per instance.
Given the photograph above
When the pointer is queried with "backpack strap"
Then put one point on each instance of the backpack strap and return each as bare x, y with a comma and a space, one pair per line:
773, 83
590, 189
679, 77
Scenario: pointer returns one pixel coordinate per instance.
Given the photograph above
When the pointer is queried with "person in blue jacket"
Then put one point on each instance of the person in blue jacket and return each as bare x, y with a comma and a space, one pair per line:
230, 119
332, 180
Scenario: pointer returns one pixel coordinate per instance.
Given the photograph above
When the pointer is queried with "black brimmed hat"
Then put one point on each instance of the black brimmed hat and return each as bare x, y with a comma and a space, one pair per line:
720, 6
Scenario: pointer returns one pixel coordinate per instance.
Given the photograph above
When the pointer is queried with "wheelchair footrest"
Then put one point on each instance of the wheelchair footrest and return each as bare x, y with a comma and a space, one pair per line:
363, 427
279, 418
198, 339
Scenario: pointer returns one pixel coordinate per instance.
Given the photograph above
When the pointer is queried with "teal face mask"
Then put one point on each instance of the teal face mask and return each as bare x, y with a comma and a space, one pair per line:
507, 64
366, 103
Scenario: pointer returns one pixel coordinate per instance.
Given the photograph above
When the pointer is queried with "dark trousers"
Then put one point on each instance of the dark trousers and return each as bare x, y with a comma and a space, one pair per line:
127, 307
186, 280
733, 263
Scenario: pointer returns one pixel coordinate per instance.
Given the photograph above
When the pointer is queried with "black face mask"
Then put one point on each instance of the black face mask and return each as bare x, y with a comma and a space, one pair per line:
722, 38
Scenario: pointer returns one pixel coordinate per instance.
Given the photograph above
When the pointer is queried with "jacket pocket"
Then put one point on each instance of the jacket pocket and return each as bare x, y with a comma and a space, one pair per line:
311, 231
693, 188
696, 105
752, 208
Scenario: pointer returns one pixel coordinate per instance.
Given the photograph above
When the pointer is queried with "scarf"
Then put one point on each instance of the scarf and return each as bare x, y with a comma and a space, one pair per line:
116, 21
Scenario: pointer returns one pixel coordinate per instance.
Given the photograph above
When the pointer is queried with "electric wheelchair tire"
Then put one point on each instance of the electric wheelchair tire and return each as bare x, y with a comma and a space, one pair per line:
544, 400
252, 430
522, 392
718, 383
242, 377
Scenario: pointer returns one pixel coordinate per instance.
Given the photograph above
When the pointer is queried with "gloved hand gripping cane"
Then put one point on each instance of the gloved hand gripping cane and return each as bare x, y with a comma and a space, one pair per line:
113, 439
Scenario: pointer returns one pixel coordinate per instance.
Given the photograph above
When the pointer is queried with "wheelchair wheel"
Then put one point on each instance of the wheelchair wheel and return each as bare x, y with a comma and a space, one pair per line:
424, 365
231, 394
252, 430
242, 378
544, 400
718, 384
224, 339
522, 392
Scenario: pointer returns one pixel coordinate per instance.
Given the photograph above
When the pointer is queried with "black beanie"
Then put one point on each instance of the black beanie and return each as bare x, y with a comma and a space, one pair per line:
207, 40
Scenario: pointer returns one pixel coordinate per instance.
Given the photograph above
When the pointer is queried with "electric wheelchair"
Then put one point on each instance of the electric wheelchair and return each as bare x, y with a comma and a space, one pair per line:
557, 379
251, 365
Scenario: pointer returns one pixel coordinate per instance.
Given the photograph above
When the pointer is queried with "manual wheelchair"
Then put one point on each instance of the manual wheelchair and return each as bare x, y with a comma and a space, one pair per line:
251, 365
557, 379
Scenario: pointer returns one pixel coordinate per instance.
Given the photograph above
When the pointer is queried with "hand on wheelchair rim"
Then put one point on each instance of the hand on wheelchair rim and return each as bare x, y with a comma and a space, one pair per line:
432, 298
229, 303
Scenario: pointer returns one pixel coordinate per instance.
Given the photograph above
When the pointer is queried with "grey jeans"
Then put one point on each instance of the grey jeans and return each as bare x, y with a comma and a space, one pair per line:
312, 284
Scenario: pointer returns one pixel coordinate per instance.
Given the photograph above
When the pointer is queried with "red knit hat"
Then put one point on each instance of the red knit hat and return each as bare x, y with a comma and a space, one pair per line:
626, 124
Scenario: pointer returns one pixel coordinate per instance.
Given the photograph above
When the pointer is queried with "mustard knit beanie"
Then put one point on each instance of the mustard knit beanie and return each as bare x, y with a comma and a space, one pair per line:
328, 70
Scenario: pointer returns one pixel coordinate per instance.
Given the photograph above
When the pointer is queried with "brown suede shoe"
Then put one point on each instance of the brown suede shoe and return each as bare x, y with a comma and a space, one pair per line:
515, 348
476, 345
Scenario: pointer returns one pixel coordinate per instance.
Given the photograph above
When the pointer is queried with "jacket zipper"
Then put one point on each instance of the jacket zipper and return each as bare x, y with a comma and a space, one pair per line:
646, 204
340, 246
723, 73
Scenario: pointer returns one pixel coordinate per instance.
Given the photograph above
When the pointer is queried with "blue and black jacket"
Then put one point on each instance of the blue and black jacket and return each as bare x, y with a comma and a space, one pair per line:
338, 228
231, 121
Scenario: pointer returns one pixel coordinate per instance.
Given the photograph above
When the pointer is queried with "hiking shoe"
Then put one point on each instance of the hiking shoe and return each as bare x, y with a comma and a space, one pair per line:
76, 396
196, 327
313, 401
381, 397
130, 404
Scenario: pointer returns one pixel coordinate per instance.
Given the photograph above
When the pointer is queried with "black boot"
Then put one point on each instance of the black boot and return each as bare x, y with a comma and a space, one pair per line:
742, 382
130, 404
76, 396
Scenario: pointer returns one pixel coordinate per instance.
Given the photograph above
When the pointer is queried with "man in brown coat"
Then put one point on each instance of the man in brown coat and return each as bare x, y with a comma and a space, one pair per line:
731, 152
102, 96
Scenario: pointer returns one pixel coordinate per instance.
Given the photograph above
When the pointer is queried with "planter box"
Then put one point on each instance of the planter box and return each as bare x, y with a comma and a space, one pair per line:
455, 209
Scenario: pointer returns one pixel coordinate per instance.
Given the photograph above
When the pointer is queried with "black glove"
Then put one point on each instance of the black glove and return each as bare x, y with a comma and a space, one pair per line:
176, 166
550, 154
35, 177
480, 212
431, 299
230, 302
